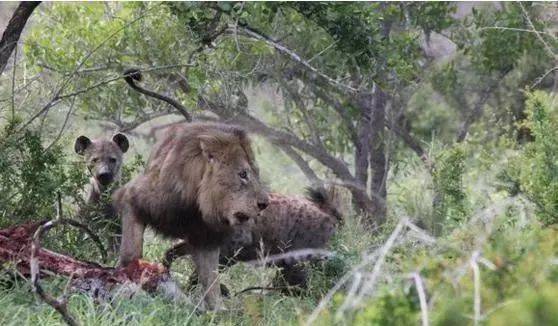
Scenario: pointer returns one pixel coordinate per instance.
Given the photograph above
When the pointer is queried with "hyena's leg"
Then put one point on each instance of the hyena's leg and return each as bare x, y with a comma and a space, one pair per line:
131, 246
207, 264
292, 275
182, 248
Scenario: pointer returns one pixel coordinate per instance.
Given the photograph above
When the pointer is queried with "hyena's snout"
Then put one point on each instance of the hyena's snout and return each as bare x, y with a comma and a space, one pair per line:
105, 176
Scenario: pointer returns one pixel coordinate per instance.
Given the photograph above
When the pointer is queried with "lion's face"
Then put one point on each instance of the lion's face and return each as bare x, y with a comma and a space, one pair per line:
231, 194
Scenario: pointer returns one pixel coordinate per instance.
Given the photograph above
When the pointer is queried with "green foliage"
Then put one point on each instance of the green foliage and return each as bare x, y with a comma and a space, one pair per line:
498, 45
532, 307
534, 171
390, 309
31, 176
362, 33
450, 207
111, 38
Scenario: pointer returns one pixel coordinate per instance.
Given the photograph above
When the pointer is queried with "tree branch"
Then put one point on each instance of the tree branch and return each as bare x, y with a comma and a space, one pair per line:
257, 35
410, 141
302, 164
297, 99
476, 112
132, 75
13, 31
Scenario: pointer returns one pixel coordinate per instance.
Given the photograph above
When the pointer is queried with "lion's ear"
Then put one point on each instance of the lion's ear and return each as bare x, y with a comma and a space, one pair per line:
122, 142
81, 144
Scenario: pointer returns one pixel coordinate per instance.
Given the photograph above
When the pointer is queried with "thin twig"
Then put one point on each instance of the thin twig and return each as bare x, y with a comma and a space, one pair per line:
422, 297
298, 255
384, 250
344, 279
133, 75
537, 33
252, 33
541, 78
66, 119
476, 282
59, 304
264, 288
512, 29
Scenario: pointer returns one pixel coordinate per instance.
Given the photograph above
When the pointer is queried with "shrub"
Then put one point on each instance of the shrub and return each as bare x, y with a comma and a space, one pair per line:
31, 175
449, 204
534, 172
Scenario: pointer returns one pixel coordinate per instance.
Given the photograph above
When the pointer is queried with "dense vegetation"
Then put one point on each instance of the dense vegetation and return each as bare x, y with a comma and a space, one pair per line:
438, 123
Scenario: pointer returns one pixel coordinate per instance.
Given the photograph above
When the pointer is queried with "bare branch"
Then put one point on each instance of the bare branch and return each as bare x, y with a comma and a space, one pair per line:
13, 31
537, 33
410, 141
132, 75
255, 34
59, 304
476, 112
301, 163
66, 119
422, 298
476, 283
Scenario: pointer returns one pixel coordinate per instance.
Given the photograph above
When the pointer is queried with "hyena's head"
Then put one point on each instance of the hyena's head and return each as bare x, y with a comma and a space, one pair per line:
103, 156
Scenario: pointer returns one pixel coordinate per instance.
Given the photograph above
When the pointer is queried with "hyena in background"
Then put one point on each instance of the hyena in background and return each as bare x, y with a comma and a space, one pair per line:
103, 158
288, 223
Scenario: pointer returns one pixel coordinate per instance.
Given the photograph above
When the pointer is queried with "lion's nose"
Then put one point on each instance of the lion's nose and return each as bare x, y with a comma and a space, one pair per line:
263, 204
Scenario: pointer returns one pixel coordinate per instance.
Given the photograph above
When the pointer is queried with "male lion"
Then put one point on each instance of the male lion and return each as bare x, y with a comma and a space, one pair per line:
288, 223
201, 183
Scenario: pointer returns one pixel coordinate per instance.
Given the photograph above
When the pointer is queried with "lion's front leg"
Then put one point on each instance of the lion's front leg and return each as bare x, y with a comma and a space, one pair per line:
131, 245
207, 265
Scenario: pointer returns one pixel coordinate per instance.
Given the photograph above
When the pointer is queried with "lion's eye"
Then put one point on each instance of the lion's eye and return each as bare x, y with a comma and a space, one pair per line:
243, 174
112, 160
95, 160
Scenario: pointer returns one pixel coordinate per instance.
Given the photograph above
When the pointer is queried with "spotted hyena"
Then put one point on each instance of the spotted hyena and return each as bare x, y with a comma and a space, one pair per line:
288, 223
103, 158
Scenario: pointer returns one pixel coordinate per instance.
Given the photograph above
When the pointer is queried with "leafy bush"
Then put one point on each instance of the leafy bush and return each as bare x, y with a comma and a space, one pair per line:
30, 176
450, 208
534, 172
390, 309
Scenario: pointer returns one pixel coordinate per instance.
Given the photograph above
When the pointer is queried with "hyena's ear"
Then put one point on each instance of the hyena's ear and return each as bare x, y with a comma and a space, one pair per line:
81, 144
122, 142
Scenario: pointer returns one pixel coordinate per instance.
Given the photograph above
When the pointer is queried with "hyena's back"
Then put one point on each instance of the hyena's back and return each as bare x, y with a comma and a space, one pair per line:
288, 223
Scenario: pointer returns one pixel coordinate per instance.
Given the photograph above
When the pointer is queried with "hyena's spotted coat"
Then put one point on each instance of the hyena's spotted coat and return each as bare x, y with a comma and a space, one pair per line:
288, 223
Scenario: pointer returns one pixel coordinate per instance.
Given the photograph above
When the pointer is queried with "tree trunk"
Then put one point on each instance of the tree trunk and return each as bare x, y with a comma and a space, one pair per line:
13, 30
362, 147
378, 162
